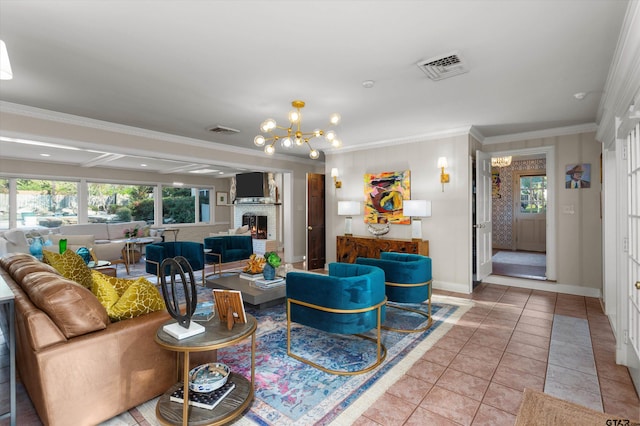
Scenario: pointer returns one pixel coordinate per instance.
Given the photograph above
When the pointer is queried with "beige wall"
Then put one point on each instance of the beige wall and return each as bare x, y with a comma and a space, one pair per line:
578, 237
449, 228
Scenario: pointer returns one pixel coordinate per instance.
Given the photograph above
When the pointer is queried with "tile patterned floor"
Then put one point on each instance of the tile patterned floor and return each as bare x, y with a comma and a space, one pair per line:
475, 375
511, 339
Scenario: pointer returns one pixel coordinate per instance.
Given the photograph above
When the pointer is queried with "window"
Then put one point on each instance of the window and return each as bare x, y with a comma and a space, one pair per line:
533, 194
108, 202
186, 205
49, 203
4, 203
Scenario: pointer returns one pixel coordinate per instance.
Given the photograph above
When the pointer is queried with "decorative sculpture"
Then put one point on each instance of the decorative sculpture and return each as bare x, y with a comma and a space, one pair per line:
178, 266
378, 231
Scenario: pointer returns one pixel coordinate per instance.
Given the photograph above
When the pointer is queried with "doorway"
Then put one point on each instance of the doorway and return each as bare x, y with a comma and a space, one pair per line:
521, 196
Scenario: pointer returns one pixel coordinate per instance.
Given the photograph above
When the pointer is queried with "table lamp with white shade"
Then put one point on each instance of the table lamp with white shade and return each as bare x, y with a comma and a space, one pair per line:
416, 209
349, 209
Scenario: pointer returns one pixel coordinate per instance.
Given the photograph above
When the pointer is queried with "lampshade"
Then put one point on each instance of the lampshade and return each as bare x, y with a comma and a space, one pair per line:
334, 172
442, 162
348, 208
416, 208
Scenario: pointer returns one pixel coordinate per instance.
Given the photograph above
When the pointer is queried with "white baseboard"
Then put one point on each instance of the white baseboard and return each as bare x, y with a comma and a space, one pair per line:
544, 286
447, 286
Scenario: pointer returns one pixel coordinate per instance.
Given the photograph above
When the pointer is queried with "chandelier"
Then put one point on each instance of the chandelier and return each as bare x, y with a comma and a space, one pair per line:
293, 135
501, 161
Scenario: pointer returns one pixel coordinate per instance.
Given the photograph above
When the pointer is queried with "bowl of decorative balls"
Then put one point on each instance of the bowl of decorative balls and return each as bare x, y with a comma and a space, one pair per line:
208, 377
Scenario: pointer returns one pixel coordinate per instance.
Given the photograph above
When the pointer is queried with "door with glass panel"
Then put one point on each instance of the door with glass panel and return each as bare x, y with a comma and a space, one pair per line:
530, 212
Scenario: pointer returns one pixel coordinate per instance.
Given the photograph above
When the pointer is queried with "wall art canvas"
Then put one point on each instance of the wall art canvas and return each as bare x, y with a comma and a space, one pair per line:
495, 184
578, 176
383, 194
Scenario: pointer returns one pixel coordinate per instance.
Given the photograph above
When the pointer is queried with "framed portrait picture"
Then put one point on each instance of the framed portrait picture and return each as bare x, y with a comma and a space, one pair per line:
222, 198
578, 176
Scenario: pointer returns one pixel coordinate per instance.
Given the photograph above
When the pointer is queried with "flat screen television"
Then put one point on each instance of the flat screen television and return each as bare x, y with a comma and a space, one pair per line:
250, 185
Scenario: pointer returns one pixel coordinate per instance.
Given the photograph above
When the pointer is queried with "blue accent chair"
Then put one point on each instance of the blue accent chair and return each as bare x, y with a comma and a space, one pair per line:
408, 280
230, 248
350, 300
157, 252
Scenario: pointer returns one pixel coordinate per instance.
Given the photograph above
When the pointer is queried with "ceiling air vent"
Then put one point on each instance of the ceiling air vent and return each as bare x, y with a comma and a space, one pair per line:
444, 66
221, 130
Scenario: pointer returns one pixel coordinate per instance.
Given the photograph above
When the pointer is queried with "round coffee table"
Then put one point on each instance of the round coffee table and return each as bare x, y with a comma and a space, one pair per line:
215, 336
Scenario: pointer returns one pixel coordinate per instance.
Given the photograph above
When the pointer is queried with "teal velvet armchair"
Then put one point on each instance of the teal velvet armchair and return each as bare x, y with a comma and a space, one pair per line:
350, 300
408, 280
157, 252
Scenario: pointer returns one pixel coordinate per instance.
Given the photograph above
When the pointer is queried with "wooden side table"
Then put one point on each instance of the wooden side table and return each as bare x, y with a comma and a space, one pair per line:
7, 297
215, 336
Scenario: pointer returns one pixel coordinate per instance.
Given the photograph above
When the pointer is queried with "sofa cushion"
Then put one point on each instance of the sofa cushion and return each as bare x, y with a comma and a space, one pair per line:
69, 305
70, 265
126, 298
74, 242
98, 230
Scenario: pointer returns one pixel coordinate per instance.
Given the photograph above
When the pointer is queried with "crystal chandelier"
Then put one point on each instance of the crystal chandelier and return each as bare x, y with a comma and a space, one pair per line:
501, 161
293, 133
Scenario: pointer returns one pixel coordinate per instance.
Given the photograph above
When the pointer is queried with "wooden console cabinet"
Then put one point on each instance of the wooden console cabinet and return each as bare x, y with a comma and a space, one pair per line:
351, 247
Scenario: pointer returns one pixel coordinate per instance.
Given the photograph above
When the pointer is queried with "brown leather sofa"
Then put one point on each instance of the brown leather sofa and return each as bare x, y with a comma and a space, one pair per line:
78, 367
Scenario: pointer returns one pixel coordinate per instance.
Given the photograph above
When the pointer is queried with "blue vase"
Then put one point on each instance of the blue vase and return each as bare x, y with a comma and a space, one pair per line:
85, 254
268, 272
36, 247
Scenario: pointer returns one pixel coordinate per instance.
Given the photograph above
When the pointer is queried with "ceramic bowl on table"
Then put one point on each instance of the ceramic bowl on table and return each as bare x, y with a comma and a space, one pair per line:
208, 377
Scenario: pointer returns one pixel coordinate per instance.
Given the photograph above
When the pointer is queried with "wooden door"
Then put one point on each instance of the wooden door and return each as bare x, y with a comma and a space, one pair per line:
316, 254
530, 211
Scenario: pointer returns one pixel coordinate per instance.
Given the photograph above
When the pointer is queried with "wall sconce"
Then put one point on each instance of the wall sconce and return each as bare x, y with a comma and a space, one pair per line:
444, 177
416, 209
349, 209
335, 174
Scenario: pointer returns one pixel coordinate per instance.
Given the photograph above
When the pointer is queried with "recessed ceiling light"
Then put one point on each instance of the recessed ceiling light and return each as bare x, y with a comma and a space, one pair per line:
178, 184
143, 165
202, 171
580, 95
46, 155
368, 84
220, 173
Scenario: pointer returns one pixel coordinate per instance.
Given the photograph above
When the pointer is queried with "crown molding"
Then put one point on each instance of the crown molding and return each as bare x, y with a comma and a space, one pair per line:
622, 87
540, 134
90, 123
461, 131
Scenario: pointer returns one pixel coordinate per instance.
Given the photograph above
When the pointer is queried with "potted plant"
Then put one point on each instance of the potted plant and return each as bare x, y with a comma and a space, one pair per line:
272, 261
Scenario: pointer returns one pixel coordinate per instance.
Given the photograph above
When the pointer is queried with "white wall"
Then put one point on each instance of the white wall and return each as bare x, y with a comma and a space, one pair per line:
449, 228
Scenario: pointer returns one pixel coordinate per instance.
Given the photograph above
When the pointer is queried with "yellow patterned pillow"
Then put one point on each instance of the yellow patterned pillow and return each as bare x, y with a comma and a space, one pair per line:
70, 265
126, 298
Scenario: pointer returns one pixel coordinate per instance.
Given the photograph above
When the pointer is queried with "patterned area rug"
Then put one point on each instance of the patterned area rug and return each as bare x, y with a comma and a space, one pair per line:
289, 392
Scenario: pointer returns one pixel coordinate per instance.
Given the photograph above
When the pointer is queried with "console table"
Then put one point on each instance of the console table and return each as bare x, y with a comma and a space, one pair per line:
351, 247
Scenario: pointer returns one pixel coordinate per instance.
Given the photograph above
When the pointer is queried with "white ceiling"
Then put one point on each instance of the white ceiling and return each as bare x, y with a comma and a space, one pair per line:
181, 67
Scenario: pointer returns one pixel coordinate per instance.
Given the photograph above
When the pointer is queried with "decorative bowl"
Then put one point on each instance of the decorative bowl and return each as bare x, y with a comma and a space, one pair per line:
208, 377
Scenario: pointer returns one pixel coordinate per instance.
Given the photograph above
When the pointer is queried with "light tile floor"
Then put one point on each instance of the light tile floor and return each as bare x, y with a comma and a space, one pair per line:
475, 375
511, 339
